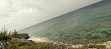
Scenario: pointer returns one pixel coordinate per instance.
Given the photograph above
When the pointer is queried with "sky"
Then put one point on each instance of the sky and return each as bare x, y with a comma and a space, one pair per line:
19, 14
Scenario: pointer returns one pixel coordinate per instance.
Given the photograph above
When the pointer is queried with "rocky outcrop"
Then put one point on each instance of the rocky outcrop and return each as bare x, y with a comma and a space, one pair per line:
21, 36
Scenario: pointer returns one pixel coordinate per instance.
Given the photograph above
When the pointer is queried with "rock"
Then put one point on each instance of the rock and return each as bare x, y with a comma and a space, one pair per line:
21, 36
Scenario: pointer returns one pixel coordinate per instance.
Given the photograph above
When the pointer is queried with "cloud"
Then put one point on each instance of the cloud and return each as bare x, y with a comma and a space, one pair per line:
18, 14
26, 10
6, 21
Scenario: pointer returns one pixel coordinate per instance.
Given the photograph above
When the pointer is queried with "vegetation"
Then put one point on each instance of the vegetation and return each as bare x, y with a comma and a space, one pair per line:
11, 40
5, 35
91, 24
34, 46
92, 47
93, 36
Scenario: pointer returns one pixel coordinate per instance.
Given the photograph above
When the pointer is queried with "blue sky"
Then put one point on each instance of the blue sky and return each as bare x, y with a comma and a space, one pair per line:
19, 14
